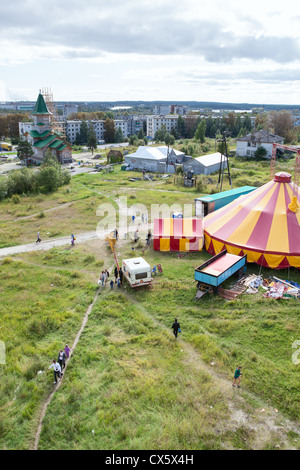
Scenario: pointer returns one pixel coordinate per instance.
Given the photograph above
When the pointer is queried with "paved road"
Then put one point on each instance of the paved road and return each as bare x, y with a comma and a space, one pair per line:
81, 238
5, 167
47, 244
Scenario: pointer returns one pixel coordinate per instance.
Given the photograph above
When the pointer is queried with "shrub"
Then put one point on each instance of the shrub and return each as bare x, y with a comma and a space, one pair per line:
15, 199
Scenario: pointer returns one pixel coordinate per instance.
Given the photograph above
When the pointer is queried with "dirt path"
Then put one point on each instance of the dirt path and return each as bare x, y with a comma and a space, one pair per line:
264, 423
47, 402
55, 208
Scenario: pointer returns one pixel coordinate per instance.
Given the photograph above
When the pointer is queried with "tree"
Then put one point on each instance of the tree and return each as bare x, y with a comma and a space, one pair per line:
83, 133
260, 153
261, 121
119, 136
24, 150
109, 130
133, 140
282, 123
92, 138
141, 134
160, 134
200, 132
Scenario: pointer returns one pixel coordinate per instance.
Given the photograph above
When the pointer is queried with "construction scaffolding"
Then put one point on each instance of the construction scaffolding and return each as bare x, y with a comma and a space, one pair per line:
57, 126
291, 148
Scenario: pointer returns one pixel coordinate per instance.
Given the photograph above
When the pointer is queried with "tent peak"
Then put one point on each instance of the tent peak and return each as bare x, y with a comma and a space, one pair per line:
282, 177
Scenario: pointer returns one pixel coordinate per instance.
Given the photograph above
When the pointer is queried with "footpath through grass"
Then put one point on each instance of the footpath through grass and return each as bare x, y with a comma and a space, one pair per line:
41, 310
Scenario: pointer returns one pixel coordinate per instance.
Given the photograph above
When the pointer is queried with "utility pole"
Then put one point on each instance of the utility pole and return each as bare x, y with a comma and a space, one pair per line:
222, 163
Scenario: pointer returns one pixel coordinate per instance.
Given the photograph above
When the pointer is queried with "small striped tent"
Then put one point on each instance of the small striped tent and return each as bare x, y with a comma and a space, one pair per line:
264, 225
178, 234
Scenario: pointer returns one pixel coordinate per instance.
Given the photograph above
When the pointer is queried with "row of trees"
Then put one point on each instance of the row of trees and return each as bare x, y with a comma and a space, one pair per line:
194, 126
9, 125
47, 179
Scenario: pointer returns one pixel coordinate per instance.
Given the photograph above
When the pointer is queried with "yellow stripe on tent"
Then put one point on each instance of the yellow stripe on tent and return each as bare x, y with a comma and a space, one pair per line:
294, 261
249, 197
274, 260
207, 240
218, 246
187, 229
243, 232
183, 244
165, 244
168, 227
278, 235
252, 256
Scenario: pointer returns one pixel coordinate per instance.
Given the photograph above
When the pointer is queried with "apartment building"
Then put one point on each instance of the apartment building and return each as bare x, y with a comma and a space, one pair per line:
155, 123
163, 109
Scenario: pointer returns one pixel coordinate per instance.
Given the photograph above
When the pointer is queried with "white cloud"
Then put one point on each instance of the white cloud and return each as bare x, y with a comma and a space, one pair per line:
174, 47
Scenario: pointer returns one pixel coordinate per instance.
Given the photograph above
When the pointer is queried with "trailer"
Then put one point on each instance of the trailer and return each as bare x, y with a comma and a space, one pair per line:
211, 274
206, 204
137, 272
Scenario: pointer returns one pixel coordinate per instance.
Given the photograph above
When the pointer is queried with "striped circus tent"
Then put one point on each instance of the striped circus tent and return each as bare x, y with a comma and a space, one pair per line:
178, 234
264, 225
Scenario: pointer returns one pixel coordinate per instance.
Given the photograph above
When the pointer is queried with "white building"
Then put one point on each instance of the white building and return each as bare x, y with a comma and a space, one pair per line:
155, 123
246, 146
205, 165
157, 159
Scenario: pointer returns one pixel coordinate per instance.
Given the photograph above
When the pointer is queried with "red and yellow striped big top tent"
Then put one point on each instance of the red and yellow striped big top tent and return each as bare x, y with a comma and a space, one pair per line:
176, 234
264, 225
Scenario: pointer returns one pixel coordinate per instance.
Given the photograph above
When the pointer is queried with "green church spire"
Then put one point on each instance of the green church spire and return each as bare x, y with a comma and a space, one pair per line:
40, 106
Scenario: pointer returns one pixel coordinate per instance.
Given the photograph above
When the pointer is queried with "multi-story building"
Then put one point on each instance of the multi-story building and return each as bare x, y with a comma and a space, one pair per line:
163, 109
155, 123
129, 125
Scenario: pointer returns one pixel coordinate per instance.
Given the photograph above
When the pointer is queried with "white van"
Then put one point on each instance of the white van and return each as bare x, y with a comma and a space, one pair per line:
137, 272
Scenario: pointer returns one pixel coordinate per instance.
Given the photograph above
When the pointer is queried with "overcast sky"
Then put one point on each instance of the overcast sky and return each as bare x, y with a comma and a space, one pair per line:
173, 50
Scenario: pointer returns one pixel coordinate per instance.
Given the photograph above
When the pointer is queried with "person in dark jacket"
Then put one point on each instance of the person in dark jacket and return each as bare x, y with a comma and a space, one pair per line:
175, 327
62, 359
121, 276
116, 274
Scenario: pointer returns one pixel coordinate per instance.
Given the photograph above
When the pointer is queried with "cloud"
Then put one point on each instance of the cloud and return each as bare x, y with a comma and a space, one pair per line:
145, 28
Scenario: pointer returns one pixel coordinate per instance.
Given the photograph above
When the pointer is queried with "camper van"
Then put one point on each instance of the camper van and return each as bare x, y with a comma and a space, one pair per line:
137, 272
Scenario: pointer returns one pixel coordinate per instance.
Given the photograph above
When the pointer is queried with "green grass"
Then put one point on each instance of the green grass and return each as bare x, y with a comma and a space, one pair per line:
41, 310
128, 380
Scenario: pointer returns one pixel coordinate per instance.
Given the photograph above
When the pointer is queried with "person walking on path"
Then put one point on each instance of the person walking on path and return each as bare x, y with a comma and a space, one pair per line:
176, 327
237, 377
103, 278
56, 370
67, 351
73, 240
62, 359
116, 274
136, 236
121, 276
111, 284
106, 273
38, 238
149, 236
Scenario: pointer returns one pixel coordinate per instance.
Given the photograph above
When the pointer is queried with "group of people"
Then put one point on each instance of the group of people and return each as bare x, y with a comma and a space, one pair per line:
60, 364
104, 278
118, 277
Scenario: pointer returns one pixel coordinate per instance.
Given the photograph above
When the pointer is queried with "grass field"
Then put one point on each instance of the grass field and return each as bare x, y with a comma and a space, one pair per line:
129, 384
